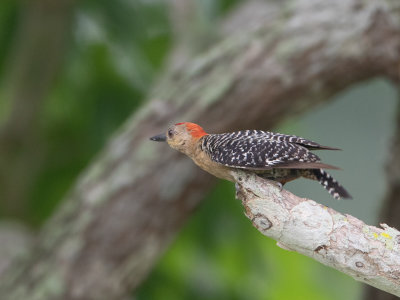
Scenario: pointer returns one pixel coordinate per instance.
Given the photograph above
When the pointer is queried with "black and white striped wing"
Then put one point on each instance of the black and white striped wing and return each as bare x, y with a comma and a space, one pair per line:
292, 139
254, 149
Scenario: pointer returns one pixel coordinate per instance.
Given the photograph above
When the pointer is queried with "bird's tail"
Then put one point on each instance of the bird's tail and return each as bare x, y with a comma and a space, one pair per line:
329, 183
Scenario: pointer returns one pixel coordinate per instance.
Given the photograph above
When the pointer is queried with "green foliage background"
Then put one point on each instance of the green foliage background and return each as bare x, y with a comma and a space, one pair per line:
116, 50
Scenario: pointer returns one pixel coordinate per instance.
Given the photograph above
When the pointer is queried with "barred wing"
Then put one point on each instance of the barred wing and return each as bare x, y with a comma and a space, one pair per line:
256, 149
293, 139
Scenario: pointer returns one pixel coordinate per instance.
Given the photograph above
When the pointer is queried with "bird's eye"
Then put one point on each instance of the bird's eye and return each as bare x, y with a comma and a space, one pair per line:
170, 133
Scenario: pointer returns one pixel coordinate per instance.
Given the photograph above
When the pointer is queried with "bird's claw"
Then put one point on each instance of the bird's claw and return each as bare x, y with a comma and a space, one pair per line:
237, 190
278, 184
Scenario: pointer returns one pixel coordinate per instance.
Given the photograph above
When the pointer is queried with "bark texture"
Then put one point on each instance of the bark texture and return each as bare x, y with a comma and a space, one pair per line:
366, 253
391, 207
129, 204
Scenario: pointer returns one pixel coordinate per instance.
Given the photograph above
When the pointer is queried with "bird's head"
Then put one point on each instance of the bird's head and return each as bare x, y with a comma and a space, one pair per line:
181, 136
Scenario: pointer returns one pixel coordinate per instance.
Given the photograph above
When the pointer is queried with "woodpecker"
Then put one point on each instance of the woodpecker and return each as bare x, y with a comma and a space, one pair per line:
270, 155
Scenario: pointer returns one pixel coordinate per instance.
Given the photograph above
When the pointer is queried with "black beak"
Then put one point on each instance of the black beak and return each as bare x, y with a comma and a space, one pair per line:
159, 138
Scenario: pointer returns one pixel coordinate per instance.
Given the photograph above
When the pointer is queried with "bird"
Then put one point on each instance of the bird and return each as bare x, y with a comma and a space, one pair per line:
272, 156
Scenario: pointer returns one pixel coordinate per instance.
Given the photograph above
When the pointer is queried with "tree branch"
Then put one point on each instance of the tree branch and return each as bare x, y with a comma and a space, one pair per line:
368, 254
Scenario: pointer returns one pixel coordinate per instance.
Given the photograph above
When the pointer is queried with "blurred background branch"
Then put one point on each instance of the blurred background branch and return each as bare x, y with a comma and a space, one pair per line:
270, 60
34, 61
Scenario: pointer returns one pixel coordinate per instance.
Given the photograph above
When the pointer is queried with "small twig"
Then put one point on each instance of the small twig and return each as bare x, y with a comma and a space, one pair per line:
366, 253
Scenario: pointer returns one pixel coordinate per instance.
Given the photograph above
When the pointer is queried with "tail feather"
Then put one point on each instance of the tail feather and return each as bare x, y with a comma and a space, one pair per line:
331, 185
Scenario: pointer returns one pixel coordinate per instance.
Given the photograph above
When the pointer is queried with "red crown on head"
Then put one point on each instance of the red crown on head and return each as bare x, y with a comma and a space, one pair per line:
195, 130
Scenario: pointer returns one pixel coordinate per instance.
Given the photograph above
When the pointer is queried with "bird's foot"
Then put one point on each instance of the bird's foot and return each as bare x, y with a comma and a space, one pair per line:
237, 190
278, 184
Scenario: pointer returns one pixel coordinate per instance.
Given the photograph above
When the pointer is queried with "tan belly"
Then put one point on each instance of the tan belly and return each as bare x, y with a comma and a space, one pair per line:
218, 170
